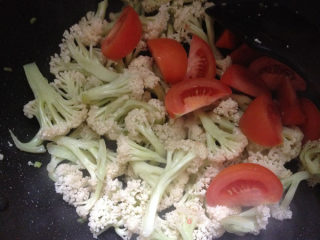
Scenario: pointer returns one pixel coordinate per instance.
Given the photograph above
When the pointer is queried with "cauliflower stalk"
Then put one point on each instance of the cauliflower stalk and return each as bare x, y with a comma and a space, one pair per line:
55, 114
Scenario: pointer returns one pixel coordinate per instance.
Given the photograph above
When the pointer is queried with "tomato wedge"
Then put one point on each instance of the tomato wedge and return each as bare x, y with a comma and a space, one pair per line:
124, 35
261, 122
170, 57
291, 111
241, 79
244, 55
201, 61
244, 184
311, 127
187, 96
227, 40
272, 73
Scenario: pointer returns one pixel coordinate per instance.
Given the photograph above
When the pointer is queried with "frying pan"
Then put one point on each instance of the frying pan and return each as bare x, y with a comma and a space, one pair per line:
34, 210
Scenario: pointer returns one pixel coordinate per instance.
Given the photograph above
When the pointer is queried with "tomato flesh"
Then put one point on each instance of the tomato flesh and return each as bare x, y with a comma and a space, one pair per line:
187, 96
244, 184
201, 61
261, 122
124, 35
227, 40
273, 72
244, 55
171, 58
311, 127
241, 79
291, 111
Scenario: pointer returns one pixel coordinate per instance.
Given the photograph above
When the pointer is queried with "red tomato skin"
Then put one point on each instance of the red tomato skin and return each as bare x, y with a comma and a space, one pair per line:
244, 55
124, 36
171, 58
241, 79
244, 184
273, 72
261, 122
291, 111
227, 40
201, 61
311, 127
187, 96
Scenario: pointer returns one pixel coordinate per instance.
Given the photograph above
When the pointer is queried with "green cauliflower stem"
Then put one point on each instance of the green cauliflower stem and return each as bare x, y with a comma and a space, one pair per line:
178, 158
55, 114
126, 84
310, 159
224, 140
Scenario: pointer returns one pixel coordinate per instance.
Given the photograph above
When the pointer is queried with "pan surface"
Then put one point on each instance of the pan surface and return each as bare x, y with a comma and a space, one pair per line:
34, 210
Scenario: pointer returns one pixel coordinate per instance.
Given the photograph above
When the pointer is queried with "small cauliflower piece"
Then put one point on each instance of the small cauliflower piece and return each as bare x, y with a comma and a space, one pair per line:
275, 158
150, 6
174, 129
70, 182
229, 109
250, 221
92, 28
224, 139
310, 159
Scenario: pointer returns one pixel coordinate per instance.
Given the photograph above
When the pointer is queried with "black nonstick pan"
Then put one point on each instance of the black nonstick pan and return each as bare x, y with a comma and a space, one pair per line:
33, 210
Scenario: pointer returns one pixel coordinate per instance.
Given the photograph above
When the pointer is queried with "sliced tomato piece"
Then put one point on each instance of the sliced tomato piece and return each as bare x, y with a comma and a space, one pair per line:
241, 79
291, 111
272, 73
201, 61
227, 40
244, 184
261, 122
124, 35
171, 58
244, 55
311, 127
187, 96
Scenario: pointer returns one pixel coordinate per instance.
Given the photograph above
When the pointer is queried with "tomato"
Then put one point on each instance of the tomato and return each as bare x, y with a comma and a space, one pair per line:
227, 40
244, 55
171, 58
201, 61
187, 96
241, 79
261, 122
291, 112
272, 73
124, 35
311, 127
244, 184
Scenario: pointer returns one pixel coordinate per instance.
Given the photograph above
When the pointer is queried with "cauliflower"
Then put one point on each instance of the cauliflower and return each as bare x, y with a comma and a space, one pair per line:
249, 221
173, 129
155, 26
224, 140
70, 182
282, 210
139, 128
92, 28
229, 109
108, 119
150, 6
223, 64
310, 159
180, 154
55, 114
274, 158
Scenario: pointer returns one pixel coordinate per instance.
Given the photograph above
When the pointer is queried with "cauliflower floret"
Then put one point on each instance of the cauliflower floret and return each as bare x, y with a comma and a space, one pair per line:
223, 64
71, 183
174, 129
30, 109
174, 192
154, 26
142, 66
150, 6
229, 109
250, 221
274, 158
195, 131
